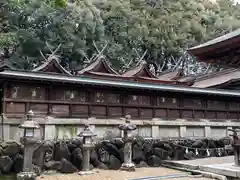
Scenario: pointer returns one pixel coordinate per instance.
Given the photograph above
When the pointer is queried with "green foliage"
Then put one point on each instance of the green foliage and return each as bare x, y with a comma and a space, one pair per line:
162, 27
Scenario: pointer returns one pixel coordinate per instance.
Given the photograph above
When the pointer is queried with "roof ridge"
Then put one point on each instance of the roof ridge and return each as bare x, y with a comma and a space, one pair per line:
136, 69
51, 59
98, 60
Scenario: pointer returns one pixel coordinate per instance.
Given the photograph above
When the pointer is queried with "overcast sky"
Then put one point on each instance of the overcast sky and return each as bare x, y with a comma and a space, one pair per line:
236, 1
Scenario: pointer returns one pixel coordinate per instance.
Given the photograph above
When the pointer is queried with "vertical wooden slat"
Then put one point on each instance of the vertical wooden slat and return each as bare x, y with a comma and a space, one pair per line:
167, 111
49, 97
5, 95
227, 115
107, 111
122, 102
154, 103
89, 99
27, 107
70, 110
193, 114
180, 104
139, 112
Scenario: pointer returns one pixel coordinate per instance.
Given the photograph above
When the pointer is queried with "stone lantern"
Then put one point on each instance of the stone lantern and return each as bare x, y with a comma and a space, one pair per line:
28, 140
87, 135
127, 128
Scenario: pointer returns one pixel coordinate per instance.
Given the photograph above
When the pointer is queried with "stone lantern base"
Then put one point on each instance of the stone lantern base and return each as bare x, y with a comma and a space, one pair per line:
128, 167
26, 176
85, 173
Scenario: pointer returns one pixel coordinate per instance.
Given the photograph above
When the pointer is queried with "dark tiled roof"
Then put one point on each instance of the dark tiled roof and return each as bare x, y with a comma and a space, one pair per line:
217, 78
219, 39
170, 75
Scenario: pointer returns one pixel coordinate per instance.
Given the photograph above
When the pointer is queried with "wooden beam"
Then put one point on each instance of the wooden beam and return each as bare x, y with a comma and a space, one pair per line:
227, 53
227, 61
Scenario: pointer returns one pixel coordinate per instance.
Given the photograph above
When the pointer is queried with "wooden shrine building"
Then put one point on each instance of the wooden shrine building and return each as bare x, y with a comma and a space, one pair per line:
99, 91
223, 51
160, 104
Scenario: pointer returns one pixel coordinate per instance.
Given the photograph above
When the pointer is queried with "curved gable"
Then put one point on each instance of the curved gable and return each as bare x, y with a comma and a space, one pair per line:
52, 65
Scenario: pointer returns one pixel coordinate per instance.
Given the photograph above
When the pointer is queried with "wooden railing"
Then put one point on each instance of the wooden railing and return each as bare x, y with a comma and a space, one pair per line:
18, 107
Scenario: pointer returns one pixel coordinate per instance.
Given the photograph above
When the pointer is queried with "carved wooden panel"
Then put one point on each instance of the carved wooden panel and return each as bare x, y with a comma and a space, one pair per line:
39, 108
210, 115
216, 104
167, 101
115, 111
80, 109
187, 114
113, 98
174, 113
232, 115
69, 95
62, 110
234, 105
15, 108
102, 97
145, 100
131, 111
99, 97
190, 102
161, 113
138, 100
27, 92
199, 114
148, 113
98, 110
221, 115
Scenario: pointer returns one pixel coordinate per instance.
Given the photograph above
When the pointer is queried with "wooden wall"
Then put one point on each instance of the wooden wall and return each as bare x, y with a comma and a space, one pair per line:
63, 101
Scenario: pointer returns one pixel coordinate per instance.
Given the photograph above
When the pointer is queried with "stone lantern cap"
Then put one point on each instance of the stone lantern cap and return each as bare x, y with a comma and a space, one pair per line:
127, 126
86, 132
30, 113
29, 124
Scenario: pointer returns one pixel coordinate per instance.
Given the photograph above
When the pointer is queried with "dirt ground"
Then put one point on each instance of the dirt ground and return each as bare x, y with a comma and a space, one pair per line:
120, 175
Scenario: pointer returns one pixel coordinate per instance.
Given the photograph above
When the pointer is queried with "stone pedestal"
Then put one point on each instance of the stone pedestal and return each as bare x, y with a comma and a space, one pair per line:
86, 160
128, 164
127, 128
26, 176
87, 135
27, 173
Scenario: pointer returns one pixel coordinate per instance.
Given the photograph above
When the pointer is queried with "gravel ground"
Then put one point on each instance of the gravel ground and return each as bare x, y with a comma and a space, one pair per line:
210, 161
119, 175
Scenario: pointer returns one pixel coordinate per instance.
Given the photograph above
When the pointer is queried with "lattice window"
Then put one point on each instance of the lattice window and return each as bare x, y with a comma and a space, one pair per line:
167, 101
